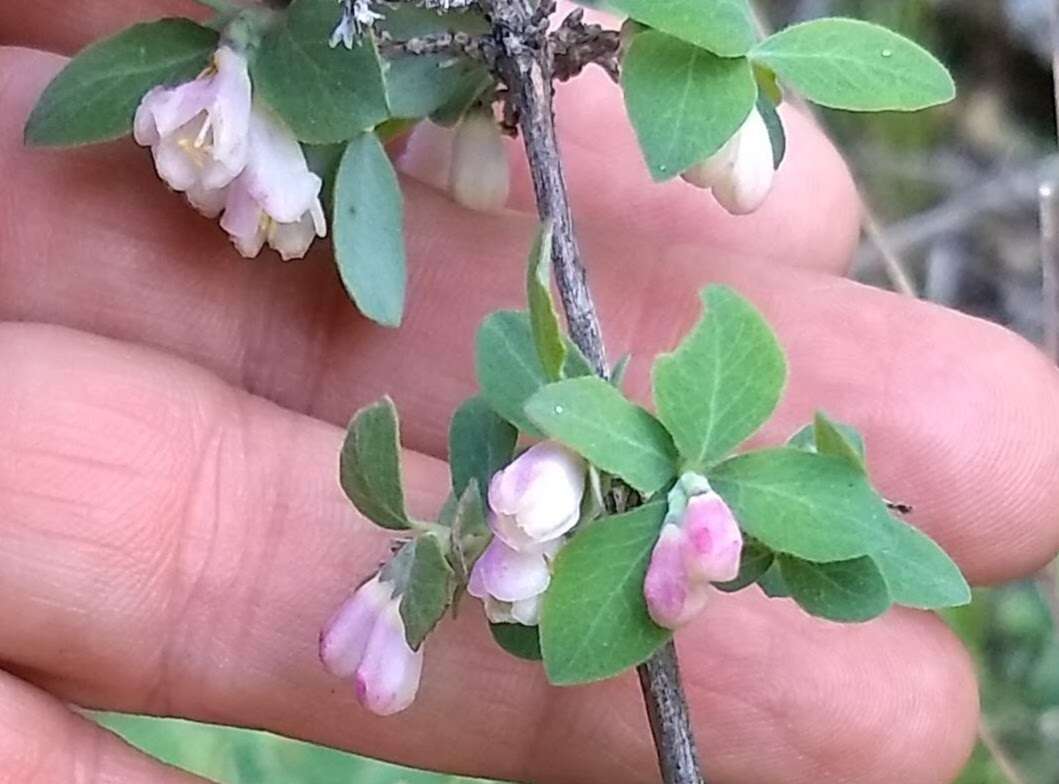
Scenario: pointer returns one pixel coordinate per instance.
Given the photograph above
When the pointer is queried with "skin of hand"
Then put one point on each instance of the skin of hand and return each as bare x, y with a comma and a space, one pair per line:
172, 535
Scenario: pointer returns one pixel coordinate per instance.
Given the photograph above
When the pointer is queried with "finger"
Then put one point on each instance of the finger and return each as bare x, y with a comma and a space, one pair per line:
933, 391
64, 27
43, 741
173, 545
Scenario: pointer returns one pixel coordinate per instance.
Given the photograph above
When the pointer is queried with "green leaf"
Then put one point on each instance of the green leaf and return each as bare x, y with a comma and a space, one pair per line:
918, 571
850, 591
428, 592
470, 533
326, 94
419, 85
509, 369
684, 102
722, 382
838, 439
816, 507
547, 334
772, 583
368, 228
370, 466
523, 642
854, 65
480, 444
724, 27
598, 422
754, 561
594, 623
94, 98
621, 367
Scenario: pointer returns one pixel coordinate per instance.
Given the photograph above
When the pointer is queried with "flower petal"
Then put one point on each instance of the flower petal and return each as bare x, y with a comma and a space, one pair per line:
388, 676
345, 638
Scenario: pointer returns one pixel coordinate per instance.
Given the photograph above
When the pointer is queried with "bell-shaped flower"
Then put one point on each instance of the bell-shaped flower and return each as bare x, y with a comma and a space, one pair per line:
537, 498
478, 169
198, 131
740, 174
512, 583
365, 642
276, 199
700, 546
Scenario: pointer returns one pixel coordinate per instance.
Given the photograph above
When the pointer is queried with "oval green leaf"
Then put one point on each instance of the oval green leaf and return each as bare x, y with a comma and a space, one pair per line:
857, 66
94, 98
370, 466
850, 591
594, 623
522, 642
684, 102
368, 226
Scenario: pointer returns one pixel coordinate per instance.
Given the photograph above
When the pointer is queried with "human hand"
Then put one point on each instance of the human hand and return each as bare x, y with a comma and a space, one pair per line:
171, 531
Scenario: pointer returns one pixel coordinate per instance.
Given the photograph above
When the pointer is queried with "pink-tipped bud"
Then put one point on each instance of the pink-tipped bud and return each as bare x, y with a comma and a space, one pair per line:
388, 676
713, 542
537, 498
512, 583
478, 172
699, 544
740, 174
365, 643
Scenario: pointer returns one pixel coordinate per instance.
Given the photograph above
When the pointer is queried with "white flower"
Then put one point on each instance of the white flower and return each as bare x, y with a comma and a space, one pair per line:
198, 130
537, 498
740, 174
365, 642
276, 199
512, 583
478, 171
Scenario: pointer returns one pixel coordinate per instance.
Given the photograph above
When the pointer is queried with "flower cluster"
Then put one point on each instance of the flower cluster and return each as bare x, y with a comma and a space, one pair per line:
228, 153
365, 642
700, 543
740, 174
533, 503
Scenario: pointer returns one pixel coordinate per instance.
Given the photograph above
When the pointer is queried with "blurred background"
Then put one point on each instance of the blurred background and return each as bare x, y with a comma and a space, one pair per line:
953, 197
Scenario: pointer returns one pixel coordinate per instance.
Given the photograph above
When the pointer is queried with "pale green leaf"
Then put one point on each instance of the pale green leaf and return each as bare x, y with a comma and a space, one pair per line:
469, 531
594, 623
368, 228
94, 98
724, 27
722, 382
854, 65
370, 465
684, 102
547, 332
429, 589
918, 571
849, 591
325, 93
595, 420
838, 439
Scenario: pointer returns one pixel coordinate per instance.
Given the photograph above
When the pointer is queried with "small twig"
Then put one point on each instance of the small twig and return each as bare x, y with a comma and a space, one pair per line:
999, 755
1049, 202
576, 45
457, 44
525, 62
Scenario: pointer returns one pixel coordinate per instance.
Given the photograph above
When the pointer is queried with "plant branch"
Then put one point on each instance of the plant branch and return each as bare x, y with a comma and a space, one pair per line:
525, 61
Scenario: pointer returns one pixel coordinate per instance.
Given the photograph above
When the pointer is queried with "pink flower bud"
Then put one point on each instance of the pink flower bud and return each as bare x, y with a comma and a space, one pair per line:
198, 131
537, 498
365, 642
740, 174
478, 172
512, 583
713, 542
700, 546
388, 676
673, 598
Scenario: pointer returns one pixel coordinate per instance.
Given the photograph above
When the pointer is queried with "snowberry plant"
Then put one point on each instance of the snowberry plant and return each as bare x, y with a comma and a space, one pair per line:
589, 526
